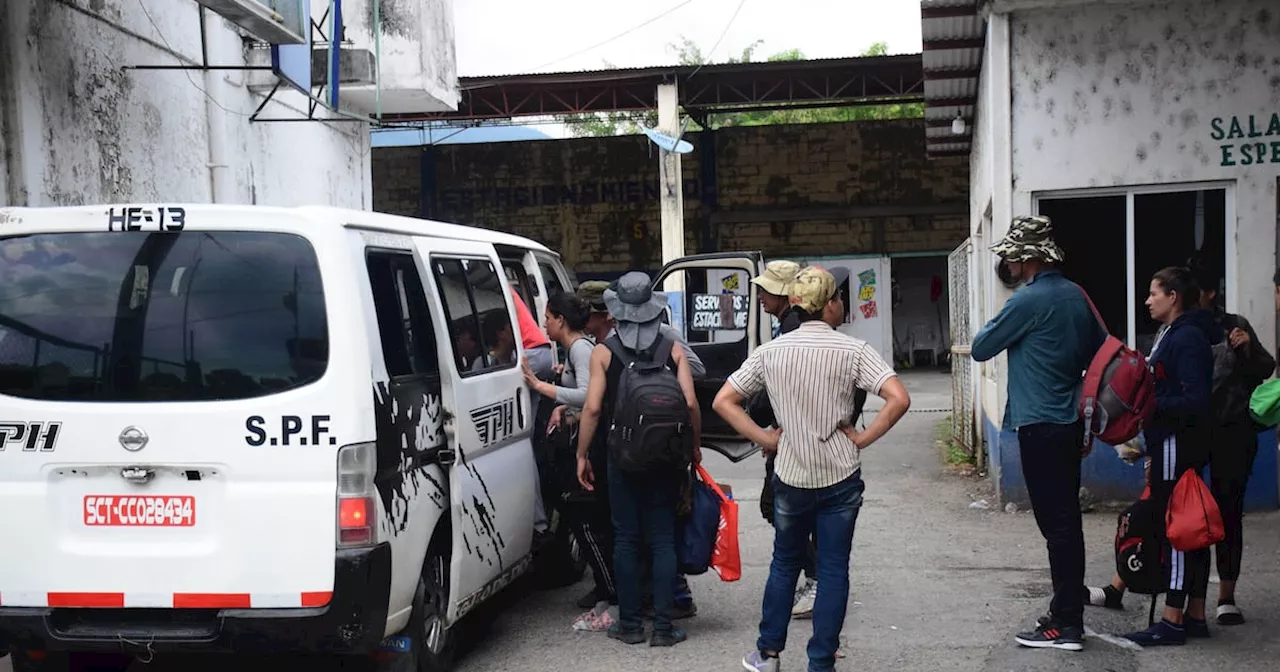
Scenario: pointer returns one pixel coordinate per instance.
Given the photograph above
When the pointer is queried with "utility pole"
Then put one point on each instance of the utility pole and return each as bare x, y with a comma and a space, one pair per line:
671, 185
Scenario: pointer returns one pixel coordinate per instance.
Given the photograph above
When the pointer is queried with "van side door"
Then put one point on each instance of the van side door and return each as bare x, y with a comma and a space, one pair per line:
408, 404
487, 422
723, 325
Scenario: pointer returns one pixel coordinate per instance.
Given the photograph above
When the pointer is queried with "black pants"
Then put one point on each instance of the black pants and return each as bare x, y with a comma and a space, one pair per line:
766, 510
1051, 466
1186, 572
593, 527
1231, 456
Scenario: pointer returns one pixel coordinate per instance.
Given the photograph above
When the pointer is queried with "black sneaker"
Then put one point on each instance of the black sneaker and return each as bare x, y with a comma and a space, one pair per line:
683, 609
1196, 629
1053, 636
671, 638
626, 636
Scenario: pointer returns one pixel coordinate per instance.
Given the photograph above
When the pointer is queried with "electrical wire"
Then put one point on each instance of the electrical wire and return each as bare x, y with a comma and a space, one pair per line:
615, 37
707, 59
160, 34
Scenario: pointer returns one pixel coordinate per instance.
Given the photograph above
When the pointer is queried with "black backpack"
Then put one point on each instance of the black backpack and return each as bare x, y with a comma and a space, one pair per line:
1139, 554
651, 429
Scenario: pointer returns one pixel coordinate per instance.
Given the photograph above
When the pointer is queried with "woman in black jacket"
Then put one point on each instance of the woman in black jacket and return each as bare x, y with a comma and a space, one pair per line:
1240, 365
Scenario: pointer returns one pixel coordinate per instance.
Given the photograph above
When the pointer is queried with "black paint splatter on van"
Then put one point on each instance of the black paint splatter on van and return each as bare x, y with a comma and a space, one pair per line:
480, 513
409, 420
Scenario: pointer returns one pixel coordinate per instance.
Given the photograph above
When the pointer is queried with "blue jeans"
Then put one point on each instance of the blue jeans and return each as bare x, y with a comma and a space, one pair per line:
644, 510
831, 513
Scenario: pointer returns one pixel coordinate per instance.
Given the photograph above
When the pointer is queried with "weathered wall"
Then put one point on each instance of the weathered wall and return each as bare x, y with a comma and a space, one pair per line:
805, 190
419, 65
1142, 93
1147, 94
80, 129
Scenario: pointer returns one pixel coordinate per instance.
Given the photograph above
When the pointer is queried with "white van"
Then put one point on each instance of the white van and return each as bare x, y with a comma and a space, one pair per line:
250, 429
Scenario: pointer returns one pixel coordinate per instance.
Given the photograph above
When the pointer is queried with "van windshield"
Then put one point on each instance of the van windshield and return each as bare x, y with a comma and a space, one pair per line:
138, 316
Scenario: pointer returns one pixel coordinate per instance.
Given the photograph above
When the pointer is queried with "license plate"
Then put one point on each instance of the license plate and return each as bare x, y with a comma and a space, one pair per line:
139, 511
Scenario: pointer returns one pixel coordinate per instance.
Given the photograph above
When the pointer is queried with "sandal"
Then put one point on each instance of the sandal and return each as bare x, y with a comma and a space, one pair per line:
1230, 614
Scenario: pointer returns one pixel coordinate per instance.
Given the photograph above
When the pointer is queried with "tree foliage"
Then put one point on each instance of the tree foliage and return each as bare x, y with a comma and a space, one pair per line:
688, 53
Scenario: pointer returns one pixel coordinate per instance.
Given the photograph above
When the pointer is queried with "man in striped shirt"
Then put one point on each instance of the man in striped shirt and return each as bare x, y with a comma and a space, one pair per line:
811, 375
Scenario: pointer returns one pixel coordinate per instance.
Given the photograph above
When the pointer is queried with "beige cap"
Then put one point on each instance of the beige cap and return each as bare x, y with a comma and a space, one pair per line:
813, 288
777, 277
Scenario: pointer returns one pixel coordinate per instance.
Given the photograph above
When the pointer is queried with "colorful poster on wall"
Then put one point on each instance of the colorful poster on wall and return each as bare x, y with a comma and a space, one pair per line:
867, 277
867, 292
868, 310
730, 283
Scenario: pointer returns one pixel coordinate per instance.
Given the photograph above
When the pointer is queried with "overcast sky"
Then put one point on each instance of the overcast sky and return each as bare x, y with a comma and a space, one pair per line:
496, 37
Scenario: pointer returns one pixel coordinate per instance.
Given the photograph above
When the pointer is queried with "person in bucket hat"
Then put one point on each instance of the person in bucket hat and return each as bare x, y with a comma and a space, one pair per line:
601, 324
643, 504
1030, 238
818, 481
1051, 335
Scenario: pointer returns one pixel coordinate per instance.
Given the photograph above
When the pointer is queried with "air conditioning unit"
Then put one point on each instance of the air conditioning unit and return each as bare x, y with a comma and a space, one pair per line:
272, 21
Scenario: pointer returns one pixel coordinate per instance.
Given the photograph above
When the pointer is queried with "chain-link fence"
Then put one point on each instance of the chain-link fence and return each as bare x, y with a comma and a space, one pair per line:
962, 384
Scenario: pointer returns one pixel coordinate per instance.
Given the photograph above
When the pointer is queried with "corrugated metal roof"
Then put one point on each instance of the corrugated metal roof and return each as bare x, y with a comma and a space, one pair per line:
935, 89
952, 27
681, 70
951, 59
951, 31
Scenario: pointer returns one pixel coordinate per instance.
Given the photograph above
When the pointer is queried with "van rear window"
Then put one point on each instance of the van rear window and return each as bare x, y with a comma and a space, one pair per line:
139, 316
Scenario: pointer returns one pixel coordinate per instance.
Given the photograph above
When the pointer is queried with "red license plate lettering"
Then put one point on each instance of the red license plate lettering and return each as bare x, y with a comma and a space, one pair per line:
139, 511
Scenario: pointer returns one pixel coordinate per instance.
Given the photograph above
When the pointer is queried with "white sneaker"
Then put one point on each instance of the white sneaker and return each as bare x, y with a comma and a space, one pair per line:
803, 607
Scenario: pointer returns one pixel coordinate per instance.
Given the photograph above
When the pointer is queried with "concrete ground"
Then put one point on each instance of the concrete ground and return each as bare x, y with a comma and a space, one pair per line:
937, 585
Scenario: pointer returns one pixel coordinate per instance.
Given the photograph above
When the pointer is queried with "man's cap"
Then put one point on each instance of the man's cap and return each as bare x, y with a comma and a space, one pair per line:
777, 277
814, 287
592, 292
1029, 237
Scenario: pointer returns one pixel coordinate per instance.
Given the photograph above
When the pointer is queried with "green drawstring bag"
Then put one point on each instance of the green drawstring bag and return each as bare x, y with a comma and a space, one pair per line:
1264, 405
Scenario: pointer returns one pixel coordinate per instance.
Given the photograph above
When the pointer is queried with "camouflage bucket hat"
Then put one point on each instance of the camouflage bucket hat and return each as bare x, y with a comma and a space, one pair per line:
592, 292
1029, 238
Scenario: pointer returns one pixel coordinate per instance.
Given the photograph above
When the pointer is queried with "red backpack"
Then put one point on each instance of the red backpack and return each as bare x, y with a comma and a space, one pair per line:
1119, 395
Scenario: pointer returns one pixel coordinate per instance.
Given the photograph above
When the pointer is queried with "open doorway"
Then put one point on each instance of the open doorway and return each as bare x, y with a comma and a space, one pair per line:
921, 319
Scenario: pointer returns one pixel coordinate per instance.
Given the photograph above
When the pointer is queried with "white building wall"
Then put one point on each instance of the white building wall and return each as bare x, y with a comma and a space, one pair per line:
990, 204
1127, 95
78, 129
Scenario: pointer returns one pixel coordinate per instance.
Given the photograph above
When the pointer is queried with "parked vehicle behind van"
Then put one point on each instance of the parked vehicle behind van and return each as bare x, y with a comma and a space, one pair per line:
252, 429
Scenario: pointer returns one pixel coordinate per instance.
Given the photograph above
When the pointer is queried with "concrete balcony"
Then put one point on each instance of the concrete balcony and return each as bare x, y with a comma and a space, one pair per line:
418, 70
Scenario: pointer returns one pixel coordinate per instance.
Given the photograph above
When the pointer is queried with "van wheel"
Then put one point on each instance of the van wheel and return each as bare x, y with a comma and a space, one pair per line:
434, 644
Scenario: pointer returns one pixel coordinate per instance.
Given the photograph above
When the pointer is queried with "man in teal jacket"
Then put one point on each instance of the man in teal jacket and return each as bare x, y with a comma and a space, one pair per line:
1051, 335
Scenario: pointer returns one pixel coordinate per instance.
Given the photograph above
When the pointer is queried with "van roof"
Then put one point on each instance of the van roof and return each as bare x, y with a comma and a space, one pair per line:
316, 215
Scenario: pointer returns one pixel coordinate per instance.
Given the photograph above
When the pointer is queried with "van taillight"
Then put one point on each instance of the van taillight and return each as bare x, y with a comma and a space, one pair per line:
357, 509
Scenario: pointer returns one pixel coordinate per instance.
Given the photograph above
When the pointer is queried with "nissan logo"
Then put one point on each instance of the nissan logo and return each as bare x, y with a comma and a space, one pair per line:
133, 439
